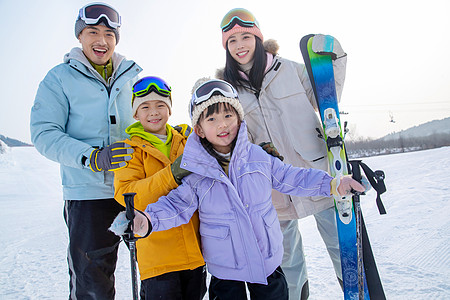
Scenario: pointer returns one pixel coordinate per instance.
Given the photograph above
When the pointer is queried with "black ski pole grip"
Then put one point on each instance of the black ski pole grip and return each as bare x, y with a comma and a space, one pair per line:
129, 237
129, 205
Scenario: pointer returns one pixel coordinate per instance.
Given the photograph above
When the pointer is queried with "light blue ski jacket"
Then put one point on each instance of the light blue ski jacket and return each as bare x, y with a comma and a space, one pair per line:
240, 232
75, 111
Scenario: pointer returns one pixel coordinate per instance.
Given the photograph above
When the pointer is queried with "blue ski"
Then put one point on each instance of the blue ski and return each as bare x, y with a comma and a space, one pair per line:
320, 71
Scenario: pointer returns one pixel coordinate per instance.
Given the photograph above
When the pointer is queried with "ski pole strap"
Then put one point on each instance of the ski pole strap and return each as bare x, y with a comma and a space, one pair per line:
130, 214
376, 180
150, 227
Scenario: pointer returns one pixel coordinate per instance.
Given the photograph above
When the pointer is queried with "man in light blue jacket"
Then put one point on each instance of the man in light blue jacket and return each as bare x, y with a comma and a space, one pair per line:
81, 110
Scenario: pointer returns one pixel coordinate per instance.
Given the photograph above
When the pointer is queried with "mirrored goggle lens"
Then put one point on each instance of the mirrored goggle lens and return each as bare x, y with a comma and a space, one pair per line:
143, 86
91, 14
208, 89
240, 16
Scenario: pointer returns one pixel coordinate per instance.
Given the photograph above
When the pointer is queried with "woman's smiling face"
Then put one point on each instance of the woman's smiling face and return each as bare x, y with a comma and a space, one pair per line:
242, 47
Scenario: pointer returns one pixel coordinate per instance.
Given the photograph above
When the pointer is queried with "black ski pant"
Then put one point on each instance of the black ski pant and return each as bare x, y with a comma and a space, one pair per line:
92, 250
179, 285
276, 289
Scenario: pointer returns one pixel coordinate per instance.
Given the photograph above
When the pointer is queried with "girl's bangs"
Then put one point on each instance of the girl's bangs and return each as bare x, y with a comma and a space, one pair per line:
217, 108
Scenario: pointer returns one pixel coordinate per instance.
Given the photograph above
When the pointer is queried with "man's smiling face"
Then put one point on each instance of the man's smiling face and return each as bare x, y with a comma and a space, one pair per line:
98, 43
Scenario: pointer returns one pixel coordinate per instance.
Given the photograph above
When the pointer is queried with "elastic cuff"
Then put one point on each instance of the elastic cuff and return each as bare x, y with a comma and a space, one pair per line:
333, 186
87, 154
335, 182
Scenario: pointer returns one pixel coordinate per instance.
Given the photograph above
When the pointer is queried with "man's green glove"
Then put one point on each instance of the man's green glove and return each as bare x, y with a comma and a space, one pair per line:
271, 149
111, 158
184, 129
177, 171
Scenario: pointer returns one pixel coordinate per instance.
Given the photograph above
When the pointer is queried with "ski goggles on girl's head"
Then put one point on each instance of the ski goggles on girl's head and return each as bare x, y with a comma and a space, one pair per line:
238, 16
151, 83
92, 13
209, 89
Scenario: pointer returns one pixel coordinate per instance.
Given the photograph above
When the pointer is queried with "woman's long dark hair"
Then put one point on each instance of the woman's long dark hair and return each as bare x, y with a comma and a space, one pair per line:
216, 108
256, 74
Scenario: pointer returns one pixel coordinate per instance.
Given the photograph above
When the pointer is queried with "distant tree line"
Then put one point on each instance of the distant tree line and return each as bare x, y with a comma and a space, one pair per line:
363, 147
356, 147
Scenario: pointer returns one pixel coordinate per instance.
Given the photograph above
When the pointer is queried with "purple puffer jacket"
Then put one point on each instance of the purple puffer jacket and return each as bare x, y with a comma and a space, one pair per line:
240, 232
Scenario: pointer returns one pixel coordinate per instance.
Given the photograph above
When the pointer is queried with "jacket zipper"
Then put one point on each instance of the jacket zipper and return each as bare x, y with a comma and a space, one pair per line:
108, 89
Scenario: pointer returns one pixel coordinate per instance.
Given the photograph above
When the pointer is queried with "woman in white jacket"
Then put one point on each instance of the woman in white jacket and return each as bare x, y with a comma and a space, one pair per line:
280, 107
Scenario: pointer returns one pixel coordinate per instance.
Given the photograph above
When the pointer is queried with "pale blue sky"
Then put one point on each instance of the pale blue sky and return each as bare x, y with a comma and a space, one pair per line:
397, 51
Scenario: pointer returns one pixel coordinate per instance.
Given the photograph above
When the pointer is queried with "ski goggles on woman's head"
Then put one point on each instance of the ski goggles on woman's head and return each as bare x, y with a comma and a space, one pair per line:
210, 88
238, 16
151, 83
92, 13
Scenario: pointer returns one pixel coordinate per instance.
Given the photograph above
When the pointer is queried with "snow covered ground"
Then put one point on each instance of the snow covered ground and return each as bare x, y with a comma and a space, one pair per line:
411, 243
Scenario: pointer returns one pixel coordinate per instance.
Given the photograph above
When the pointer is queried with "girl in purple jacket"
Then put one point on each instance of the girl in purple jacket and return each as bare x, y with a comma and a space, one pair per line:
231, 185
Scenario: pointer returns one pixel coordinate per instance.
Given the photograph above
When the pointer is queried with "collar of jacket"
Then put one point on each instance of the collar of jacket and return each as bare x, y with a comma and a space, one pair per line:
148, 147
197, 160
268, 77
137, 129
272, 71
101, 69
79, 61
270, 74
244, 73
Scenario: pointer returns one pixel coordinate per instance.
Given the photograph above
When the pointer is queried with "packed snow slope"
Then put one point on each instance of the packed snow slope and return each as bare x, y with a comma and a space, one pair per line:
411, 243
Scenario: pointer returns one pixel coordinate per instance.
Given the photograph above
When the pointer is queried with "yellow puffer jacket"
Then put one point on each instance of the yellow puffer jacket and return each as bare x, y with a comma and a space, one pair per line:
148, 174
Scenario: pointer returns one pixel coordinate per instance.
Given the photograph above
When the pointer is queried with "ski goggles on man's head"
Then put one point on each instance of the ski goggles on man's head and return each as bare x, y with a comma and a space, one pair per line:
151, 83
92, 13
209, 89
238, 16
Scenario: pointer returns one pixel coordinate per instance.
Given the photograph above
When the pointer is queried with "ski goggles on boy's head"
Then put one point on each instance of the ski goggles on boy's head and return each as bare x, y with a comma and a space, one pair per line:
92, 13
238, 16
151, 83
209, 89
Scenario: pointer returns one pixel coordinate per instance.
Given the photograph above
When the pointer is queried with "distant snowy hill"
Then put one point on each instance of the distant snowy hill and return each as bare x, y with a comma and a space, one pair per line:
434, 134
12, 142
438, 127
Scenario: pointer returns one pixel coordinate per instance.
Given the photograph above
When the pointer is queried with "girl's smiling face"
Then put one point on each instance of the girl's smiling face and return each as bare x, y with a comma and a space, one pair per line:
242, 47
220, 128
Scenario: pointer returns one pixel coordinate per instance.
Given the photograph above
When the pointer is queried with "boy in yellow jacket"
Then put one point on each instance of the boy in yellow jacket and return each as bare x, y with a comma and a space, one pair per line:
170, 262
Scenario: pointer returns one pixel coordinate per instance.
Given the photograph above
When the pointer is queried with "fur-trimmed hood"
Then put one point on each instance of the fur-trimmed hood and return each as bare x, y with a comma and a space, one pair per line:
270, 45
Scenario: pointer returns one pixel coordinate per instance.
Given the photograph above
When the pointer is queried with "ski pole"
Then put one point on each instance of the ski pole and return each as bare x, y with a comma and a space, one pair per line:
356, 174
359, 246
376, 180
129, 237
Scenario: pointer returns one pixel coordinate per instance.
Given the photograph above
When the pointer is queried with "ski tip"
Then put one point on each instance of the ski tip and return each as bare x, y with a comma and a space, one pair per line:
304, 40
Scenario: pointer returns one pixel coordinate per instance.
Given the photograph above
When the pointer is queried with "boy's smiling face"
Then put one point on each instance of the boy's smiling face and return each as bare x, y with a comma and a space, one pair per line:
98, 43
153, 115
